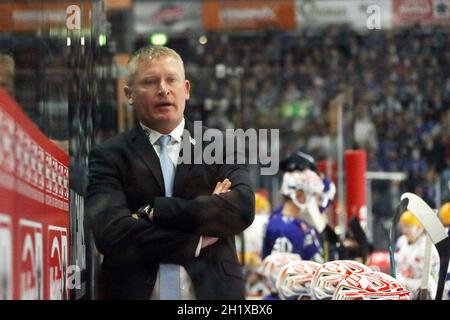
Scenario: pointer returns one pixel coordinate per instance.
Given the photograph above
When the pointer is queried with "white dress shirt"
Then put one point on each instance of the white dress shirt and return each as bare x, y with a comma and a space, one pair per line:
173, 148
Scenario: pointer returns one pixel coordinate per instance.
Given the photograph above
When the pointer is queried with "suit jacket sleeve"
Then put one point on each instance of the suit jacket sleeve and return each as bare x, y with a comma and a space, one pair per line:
213, 215
117, 233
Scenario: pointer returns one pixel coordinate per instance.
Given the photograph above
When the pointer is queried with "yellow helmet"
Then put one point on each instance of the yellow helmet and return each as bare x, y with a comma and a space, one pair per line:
444, 214
408, 218
262, 205
252, 259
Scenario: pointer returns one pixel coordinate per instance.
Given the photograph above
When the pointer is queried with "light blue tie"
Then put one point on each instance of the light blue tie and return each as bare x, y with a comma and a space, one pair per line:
167, 166
169, 274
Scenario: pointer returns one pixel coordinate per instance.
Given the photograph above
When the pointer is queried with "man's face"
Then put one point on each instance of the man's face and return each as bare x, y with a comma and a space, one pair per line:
159, 92
301, 197
411, 232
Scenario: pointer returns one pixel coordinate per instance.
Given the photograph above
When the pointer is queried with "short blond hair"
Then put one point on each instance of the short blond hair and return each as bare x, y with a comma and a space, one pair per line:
150, 52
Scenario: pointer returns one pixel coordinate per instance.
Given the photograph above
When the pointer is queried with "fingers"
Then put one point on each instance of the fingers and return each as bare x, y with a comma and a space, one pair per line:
222, 187
217, 188
226, 185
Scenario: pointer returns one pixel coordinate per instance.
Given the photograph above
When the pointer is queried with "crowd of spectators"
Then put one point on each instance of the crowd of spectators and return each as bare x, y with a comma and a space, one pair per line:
399, 84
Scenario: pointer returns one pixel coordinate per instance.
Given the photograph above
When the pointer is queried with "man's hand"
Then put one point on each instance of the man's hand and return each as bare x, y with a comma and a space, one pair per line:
221, 187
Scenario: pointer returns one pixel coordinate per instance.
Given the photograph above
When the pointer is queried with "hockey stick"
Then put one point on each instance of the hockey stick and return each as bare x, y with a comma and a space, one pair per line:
423, 288
401, 208
360, 236
435, 230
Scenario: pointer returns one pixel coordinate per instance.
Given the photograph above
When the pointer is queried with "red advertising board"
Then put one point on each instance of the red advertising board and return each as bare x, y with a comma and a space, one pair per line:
6, 261
424, 12
30, 260
25, 16
34, 209
58, 264
248, 15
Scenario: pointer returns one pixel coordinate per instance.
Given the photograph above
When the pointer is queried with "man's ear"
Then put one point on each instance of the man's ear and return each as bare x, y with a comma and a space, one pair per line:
188, 88
127, 91
128, 94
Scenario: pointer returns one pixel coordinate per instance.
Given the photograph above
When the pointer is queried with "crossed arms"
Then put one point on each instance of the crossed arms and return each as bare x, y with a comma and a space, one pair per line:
178, 223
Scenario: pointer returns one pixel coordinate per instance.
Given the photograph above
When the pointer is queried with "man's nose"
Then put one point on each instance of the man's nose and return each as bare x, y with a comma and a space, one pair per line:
163, 90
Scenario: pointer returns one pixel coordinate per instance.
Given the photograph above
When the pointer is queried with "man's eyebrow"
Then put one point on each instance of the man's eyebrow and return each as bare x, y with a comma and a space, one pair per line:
146, 76
173, 74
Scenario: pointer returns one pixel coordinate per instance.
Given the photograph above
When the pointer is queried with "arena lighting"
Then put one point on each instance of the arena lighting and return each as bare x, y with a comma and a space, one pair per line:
102, 40
203, 40
158, 39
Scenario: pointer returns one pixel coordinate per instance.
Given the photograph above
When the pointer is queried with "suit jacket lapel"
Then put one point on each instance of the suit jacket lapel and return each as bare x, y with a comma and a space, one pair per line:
183, 168
141, 144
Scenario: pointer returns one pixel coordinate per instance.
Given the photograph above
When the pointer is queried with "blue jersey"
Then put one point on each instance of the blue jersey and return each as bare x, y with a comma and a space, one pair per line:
287, 234
278, 209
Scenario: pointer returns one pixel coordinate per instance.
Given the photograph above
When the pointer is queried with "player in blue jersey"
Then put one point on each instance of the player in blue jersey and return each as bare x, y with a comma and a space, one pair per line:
291, 230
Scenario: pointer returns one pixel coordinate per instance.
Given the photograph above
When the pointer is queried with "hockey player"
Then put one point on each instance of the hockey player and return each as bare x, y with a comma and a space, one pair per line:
444, 215
297, 161
291, 230
410, 256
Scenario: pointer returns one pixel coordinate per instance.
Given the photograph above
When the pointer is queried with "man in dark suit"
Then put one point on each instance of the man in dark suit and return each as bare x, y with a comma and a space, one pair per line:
140, 220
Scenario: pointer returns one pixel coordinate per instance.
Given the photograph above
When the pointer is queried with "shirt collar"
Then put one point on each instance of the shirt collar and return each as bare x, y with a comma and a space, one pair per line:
154, 135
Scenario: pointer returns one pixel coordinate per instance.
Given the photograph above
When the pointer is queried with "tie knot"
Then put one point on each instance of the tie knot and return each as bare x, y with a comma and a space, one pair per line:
163, 141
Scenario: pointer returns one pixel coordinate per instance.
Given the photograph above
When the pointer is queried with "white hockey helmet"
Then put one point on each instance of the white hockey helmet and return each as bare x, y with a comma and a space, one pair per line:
272, 264
330, 274
307, 180
294, 279
371, 285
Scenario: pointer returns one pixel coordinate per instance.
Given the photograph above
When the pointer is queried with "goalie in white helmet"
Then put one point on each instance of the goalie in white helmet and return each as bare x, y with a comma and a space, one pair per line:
292, 230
